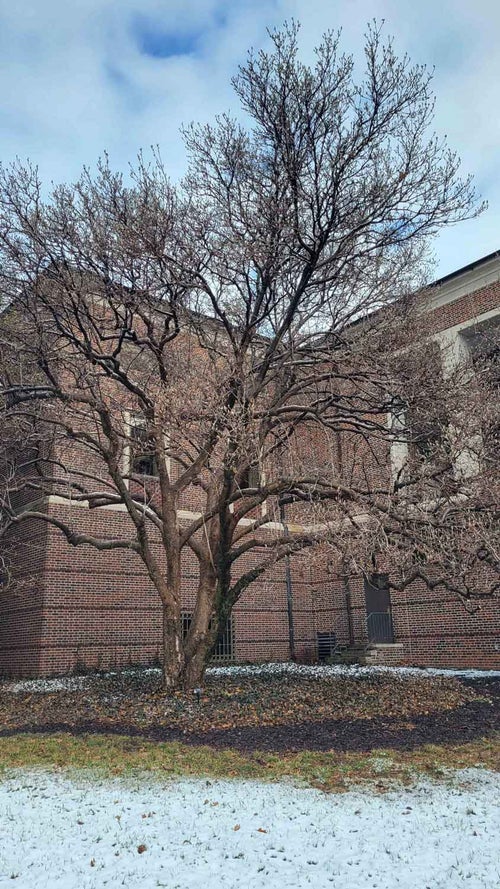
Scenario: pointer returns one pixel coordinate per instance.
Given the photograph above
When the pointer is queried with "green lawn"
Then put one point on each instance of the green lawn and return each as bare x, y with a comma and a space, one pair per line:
332, 771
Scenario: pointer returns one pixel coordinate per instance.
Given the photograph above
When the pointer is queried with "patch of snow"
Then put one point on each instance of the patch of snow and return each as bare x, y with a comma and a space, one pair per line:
65, 683
60, 832
346, 671
72, 683
306, 671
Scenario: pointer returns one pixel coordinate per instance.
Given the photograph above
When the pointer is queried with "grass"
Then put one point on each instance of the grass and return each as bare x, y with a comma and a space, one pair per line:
121, 756
103, 728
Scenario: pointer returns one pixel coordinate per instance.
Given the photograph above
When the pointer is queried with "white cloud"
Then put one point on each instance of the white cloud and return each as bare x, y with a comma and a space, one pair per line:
74, 80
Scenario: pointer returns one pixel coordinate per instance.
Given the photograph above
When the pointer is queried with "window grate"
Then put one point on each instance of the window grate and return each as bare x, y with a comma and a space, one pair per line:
327, 645
225, 649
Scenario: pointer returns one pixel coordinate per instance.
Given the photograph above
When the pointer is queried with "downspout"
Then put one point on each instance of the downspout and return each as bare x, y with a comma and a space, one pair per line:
289, 590
345, 565
347, 591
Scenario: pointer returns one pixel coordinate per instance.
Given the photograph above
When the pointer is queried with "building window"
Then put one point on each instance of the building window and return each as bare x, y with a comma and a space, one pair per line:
142, 451
225, 649
418, 413
251, 477
428, 437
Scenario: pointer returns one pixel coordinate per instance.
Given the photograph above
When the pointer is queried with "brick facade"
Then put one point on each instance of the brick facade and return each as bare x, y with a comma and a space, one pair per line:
74, 608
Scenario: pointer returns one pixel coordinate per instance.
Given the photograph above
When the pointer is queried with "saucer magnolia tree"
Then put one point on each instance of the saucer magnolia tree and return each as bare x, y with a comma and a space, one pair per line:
198, 355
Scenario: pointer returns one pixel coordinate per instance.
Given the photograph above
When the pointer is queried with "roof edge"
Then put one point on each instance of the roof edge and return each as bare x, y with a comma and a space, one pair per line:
466, 268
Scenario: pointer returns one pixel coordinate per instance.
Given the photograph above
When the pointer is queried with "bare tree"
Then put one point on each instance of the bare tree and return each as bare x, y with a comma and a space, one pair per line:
228, 344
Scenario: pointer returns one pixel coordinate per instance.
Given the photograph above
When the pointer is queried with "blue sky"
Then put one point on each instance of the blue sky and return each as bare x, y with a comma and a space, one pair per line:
78, 77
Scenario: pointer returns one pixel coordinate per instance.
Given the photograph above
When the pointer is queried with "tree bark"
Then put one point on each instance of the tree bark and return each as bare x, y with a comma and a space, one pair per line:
185, 659
173, 654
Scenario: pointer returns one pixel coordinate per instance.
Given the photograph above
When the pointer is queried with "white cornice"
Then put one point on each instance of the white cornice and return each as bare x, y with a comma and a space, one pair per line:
463, 284
185, 515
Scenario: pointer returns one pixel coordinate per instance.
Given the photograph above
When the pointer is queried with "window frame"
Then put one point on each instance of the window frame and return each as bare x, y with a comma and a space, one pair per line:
133, 421
256, 465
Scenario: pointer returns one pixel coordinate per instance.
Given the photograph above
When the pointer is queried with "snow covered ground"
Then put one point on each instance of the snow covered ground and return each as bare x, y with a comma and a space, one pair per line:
353, 671
316, 671
58, 832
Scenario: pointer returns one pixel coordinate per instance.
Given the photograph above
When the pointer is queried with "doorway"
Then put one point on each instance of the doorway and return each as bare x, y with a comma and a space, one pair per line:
378, 609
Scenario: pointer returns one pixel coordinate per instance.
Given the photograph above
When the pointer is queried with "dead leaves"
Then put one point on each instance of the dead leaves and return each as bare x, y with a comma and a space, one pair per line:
235, 703
259, 829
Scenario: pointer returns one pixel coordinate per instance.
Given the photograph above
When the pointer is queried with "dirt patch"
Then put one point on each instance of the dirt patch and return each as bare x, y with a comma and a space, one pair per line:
274, 714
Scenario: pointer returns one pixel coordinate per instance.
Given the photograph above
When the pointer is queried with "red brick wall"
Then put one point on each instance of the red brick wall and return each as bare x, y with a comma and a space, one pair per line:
437, 630
21, 602
100, 610
76, 607
79, 608
433, 628
466, 308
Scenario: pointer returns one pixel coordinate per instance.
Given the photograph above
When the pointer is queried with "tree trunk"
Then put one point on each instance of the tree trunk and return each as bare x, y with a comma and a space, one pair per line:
173, 654
185, 659
183, 667
203, 629
194, 668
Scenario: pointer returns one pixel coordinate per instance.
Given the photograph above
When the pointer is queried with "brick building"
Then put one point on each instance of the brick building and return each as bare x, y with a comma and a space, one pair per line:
73, 608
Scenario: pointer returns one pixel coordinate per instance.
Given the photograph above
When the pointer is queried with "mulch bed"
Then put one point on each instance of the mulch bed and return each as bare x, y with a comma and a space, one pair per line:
278, 714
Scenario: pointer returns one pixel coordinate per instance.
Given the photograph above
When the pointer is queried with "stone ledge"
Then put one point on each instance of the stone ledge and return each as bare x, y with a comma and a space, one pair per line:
387, 645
